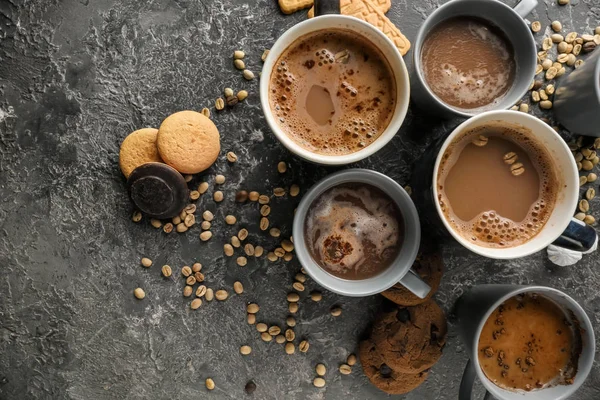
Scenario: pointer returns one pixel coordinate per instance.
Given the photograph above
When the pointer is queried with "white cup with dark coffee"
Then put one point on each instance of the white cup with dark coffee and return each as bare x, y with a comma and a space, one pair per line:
505, 185
357, 233
334, 89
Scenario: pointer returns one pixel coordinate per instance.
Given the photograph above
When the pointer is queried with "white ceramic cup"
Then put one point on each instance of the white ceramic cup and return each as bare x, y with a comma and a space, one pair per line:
374, 36
560, 225
474, 308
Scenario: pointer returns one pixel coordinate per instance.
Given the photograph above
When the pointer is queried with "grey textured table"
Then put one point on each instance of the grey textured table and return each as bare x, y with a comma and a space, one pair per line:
76, 76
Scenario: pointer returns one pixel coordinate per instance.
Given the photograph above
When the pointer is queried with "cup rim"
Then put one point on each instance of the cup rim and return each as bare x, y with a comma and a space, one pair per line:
363, 287
424, 31
486, 251
402, 93
585, 322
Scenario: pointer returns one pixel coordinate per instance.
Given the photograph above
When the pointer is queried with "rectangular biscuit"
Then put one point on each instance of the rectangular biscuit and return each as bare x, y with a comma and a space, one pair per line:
291, 6
368, 11
383, 5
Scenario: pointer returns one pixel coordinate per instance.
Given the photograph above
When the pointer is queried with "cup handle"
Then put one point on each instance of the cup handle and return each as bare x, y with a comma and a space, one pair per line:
525, 7
323, 7
466, 384
578, 236
415, 284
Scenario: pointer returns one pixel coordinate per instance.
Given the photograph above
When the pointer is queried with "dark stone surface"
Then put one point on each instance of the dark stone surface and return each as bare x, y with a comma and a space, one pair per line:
76, 76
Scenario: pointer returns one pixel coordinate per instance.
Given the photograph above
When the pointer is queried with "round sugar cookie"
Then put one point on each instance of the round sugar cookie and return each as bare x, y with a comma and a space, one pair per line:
188, 141
138, 148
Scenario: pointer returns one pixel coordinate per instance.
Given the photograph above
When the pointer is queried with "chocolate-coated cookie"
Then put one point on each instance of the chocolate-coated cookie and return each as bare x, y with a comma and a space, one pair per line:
383, 376
158, 190
429, 266
410, 339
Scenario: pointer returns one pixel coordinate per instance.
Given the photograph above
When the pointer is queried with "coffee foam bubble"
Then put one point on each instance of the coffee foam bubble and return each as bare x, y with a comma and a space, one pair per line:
369, 229
488, 228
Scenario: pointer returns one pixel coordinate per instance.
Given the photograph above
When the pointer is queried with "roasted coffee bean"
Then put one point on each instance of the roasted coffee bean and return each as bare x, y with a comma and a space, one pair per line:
241, 196
250, 387
480, 141
231, 100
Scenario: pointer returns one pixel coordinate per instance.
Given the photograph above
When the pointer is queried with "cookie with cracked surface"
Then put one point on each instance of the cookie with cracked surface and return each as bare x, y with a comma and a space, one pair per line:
382, 376
429, 266
188, 141
410, 339
139, 147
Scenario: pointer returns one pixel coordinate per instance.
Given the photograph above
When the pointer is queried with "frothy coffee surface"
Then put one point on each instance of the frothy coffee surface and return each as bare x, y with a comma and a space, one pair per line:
529, 343
497, 194
468, 63
354, 231
332, 92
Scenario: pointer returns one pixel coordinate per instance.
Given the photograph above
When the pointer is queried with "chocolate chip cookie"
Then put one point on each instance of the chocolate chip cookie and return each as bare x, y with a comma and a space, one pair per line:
382, 376
429, 266
410, 339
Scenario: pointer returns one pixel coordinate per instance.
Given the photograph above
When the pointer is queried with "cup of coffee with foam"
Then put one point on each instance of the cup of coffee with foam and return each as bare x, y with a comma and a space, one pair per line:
472, 56
505, 185
357, 233
524, 342
334, 89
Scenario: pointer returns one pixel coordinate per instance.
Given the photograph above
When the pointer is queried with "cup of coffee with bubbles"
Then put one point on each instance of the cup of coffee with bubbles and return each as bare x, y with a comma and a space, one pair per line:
505, 185
334, 88
472, 56
357, 233
524, 342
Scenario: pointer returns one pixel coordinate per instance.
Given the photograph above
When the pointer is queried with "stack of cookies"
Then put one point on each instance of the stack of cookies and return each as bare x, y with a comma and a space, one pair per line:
187, 141
153, 160
407, 338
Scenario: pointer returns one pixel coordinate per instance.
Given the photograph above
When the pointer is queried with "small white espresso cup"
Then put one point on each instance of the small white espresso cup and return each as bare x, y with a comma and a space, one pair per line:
474, 308
561, 228
374, 36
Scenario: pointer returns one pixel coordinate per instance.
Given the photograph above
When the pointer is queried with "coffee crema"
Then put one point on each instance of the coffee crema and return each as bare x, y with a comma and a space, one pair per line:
468, 63
500, 194
529, 343
332, 92
354, 231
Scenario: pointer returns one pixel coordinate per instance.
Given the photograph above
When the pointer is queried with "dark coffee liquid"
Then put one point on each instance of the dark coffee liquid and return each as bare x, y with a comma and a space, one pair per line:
529, 343
332, 92
354, 231
468, 63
